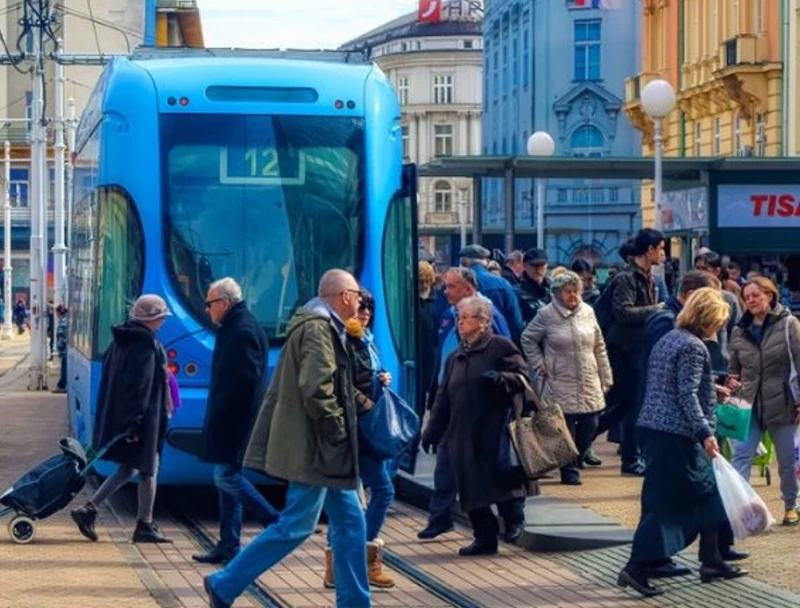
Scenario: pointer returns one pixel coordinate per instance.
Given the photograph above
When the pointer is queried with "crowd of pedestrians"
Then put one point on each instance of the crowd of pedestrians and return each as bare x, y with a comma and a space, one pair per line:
632, 358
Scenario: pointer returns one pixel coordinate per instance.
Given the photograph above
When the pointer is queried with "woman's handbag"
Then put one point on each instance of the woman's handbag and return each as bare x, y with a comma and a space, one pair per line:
541, 438
389, 427
794, 378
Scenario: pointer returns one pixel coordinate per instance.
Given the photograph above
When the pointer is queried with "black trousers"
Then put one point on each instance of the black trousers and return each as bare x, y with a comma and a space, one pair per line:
484, 523
583, 428
623, 402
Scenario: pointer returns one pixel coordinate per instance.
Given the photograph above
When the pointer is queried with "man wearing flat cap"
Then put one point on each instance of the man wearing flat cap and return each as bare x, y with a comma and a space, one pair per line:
533, 288
497, 289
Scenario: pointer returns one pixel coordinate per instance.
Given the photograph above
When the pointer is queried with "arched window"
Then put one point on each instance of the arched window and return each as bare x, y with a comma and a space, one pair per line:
587, 141
442, 197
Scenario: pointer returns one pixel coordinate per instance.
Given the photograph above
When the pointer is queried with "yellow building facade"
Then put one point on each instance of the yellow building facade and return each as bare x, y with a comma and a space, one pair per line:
724, 59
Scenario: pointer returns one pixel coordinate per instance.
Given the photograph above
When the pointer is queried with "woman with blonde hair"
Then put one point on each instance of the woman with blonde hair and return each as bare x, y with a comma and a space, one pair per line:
764, 345
676, 427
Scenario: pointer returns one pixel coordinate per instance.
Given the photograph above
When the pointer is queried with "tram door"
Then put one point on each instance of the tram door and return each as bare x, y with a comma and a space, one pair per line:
401, 282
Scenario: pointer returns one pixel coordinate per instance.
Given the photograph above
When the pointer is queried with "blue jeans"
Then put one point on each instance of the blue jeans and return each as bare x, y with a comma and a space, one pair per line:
783, 437
236, 493
297, 521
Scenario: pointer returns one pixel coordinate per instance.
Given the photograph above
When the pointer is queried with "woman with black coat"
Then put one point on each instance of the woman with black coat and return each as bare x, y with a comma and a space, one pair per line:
133, 405
470, 416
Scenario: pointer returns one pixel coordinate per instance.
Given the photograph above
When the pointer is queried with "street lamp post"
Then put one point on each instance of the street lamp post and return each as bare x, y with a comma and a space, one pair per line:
658, 100
540, 144
462, 215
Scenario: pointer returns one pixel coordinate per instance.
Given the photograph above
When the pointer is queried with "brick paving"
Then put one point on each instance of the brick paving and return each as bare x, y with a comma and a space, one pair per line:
773, 555
59, 568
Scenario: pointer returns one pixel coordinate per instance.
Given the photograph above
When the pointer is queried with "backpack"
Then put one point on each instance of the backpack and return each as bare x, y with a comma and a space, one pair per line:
604, 306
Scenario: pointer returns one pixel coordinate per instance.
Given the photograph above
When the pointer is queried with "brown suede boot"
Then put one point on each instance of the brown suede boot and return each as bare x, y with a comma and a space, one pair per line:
327, 580
377, 577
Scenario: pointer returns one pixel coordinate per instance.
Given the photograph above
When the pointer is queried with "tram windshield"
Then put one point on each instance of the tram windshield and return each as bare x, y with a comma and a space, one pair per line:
272, 201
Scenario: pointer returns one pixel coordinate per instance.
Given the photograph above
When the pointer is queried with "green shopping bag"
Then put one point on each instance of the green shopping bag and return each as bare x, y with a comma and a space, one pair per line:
733, 419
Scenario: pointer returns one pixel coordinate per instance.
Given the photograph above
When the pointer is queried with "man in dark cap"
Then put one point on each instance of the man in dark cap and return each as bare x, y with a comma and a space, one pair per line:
533, 288
497, 289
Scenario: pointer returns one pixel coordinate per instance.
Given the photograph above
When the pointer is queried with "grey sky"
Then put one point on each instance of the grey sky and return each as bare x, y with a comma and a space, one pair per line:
294, 23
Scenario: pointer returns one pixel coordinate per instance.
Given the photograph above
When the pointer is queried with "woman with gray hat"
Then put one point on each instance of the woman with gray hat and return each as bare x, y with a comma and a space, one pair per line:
564, 346
133, 404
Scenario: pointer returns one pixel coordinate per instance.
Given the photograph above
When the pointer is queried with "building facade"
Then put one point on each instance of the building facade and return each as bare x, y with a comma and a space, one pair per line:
725, 59
436, 69
558, 66
112, 27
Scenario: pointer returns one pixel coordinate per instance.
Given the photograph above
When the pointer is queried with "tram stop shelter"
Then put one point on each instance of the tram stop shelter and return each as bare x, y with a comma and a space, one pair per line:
744, 207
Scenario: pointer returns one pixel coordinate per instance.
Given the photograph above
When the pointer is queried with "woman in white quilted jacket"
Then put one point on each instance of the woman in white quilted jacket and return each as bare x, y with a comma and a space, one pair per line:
564, 346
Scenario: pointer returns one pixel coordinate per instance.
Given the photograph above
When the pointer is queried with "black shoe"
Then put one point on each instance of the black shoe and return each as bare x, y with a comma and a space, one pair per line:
731, 555
667, 570
148, 533
591, 459
571, 481
635, 469
85, 518
478, 548
434, 530
513, 533
637, 580
214, 600
215, 556
708, 574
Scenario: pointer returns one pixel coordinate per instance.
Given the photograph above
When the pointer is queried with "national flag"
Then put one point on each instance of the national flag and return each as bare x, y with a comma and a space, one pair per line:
602, 4
430, 11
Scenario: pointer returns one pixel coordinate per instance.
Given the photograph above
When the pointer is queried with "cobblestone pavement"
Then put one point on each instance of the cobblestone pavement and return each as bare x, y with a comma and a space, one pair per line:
774, 555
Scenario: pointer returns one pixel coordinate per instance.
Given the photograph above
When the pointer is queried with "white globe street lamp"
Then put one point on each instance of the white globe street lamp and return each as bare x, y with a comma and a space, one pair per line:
658, 100
540, 144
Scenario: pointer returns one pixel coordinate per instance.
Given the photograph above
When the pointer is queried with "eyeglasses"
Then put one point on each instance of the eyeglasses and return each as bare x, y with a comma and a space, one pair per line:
357, 292
210, 303
465, 317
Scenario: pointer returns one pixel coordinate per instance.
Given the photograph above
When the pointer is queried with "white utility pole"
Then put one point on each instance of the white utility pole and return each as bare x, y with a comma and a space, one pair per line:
72, 128
59, 248
37, 378
8, 297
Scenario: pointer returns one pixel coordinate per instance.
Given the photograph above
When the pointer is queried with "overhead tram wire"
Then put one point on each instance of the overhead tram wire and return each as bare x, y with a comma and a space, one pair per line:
94, 27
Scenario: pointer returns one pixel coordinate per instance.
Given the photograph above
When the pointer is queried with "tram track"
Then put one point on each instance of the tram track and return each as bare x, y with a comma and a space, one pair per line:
261, 595
258, 592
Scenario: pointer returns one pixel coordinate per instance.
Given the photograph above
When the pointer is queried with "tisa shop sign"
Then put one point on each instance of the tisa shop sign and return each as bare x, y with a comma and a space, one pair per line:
756, 206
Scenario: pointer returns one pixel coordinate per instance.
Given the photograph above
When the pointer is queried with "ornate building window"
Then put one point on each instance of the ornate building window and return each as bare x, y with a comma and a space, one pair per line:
587, 50
443, 89
717, 137
737, 135
587, 141
402, 90
443, 140
404, 131
442, 197
761, 135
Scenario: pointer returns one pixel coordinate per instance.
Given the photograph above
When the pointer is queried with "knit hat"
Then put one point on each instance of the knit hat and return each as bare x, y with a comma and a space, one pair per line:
149, 307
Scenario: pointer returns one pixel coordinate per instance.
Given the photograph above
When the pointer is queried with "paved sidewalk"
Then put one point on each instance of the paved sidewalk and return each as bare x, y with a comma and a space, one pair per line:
59, 568
774, 554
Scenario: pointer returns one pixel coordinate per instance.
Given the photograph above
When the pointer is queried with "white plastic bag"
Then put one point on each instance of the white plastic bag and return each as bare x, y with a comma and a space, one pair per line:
746, 511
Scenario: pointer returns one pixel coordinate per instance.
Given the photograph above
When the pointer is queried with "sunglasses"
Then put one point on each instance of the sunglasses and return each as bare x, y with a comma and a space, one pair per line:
210, 303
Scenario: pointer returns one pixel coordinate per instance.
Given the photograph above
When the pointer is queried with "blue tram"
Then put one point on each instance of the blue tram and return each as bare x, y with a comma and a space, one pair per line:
195, 165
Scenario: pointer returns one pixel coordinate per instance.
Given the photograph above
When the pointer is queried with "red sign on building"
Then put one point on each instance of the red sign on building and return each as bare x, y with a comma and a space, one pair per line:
430, 11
